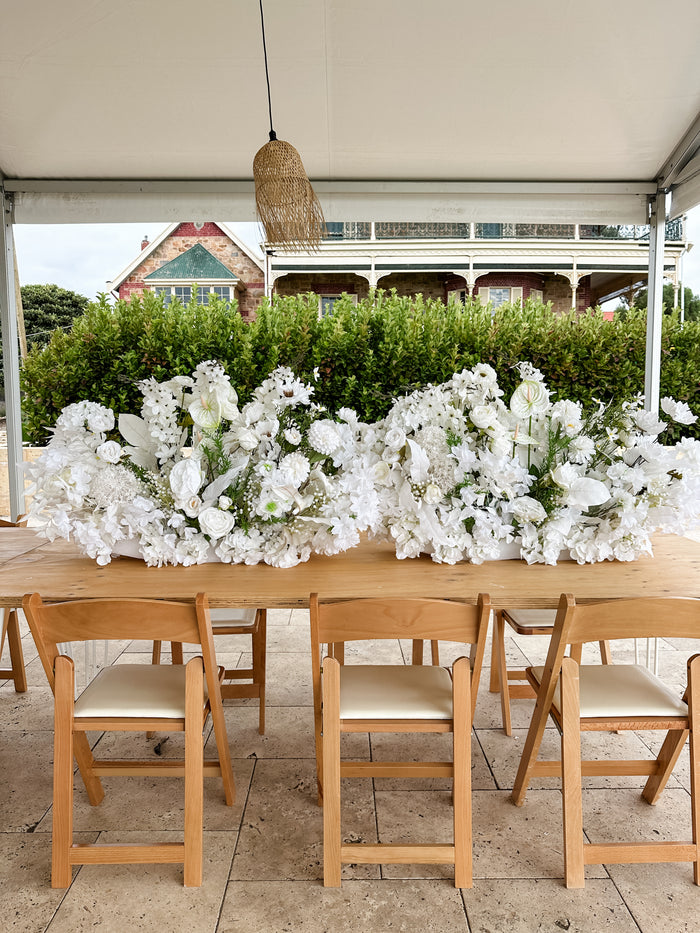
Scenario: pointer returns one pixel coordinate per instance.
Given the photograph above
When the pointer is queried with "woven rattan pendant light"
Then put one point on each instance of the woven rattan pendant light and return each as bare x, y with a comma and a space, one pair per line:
287, 206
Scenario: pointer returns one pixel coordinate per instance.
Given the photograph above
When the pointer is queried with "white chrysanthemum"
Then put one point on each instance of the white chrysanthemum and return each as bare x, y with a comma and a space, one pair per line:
323, 436
295, 468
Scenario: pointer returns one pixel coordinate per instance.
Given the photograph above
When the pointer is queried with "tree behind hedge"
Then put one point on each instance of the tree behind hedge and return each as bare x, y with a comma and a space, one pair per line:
363, 355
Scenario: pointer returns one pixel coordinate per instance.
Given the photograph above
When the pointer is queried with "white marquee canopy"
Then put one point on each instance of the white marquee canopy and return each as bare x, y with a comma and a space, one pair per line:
448, 110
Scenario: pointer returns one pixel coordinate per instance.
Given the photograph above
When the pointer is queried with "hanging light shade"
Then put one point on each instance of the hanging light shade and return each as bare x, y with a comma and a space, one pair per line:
287, 206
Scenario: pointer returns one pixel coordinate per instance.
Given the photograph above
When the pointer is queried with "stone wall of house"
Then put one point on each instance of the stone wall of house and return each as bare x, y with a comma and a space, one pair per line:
213, 239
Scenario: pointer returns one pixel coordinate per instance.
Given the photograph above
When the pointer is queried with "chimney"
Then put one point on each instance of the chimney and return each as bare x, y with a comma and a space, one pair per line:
144, 241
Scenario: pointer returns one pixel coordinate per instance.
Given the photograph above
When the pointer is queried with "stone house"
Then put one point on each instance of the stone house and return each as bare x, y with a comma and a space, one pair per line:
207, 255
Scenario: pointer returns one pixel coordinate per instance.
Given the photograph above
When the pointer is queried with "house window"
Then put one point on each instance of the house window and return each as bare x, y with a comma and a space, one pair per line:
184, 293
536, 294
326, 303
458, 294
499, 296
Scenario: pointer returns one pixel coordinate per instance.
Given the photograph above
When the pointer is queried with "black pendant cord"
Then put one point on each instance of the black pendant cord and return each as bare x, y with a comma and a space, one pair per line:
273, 135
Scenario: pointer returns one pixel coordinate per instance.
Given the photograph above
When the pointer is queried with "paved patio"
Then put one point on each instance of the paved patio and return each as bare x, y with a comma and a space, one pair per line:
263, 857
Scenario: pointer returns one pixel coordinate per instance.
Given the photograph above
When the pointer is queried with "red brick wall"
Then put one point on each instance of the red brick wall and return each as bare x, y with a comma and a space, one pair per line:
300, 283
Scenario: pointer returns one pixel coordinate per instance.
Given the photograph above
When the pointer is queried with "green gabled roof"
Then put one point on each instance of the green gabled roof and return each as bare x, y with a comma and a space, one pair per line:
194, 265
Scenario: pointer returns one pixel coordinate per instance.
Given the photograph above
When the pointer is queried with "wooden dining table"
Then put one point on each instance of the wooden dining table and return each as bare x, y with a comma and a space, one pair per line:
56, 570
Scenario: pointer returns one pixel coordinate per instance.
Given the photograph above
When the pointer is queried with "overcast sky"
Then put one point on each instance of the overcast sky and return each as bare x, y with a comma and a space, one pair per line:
86, 257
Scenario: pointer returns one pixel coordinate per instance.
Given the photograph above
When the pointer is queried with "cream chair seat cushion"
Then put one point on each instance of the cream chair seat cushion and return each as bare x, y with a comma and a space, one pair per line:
621, 690
223, 618
125, 690
532, 618
381, 691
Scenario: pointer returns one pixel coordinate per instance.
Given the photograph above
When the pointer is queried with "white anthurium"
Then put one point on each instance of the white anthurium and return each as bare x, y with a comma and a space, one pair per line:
206, 411
530, 398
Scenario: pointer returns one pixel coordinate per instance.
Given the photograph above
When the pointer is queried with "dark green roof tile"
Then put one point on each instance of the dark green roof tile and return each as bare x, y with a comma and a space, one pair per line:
195, 265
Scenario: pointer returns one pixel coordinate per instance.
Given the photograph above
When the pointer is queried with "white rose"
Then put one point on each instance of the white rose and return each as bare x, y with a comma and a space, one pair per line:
225, 502
482, 416
292, 436
382, 472
186, 479
395, 439
110, 451
432, 494
215, 523
527, 509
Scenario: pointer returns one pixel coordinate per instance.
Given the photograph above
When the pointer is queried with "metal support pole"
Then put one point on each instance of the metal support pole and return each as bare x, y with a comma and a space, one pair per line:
655, 308
10, 352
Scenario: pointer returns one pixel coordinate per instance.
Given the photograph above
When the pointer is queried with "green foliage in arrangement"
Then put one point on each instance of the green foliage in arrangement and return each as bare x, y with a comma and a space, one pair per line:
361, 355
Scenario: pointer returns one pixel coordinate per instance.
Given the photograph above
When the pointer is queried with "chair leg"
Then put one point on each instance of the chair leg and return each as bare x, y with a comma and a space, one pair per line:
194, 773
259, 663
665, 763
494, 680
155, 657
435, 653
605, 655
499, 638
14, 642
462, 794
62, 837
176, 652
331, 773
571, 775
694, 716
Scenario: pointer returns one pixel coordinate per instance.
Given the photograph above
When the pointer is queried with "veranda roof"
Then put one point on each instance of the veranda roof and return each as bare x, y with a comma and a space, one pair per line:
453, 110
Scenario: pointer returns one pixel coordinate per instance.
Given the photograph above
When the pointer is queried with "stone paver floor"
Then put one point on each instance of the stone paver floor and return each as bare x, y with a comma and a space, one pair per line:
263, 857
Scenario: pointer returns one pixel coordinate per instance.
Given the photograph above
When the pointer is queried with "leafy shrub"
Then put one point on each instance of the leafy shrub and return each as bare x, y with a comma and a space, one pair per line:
363, 355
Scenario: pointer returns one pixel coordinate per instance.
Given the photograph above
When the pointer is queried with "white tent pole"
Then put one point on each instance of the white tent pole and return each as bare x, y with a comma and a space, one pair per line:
657, 238
10, 352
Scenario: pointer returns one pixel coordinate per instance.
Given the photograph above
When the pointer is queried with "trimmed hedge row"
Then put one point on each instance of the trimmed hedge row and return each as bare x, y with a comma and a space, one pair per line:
364, 354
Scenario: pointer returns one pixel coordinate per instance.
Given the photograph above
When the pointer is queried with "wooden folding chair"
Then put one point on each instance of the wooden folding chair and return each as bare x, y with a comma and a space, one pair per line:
523, 622
130, 697
10, 629
611, 698
251, 622
395, 698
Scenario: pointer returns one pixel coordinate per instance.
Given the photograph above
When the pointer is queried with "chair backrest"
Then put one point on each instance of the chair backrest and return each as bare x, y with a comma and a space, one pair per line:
104, 619
427, 619
668, 617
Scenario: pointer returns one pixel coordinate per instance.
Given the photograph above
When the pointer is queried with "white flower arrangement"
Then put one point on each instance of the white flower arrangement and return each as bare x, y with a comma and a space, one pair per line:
199, 478
462, 476
452, 471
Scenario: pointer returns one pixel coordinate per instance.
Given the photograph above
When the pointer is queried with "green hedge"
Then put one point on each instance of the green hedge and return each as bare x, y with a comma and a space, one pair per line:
364, 354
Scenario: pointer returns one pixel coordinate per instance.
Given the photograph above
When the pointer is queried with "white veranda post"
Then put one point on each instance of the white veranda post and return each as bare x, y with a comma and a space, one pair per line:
655, 308
10, 347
